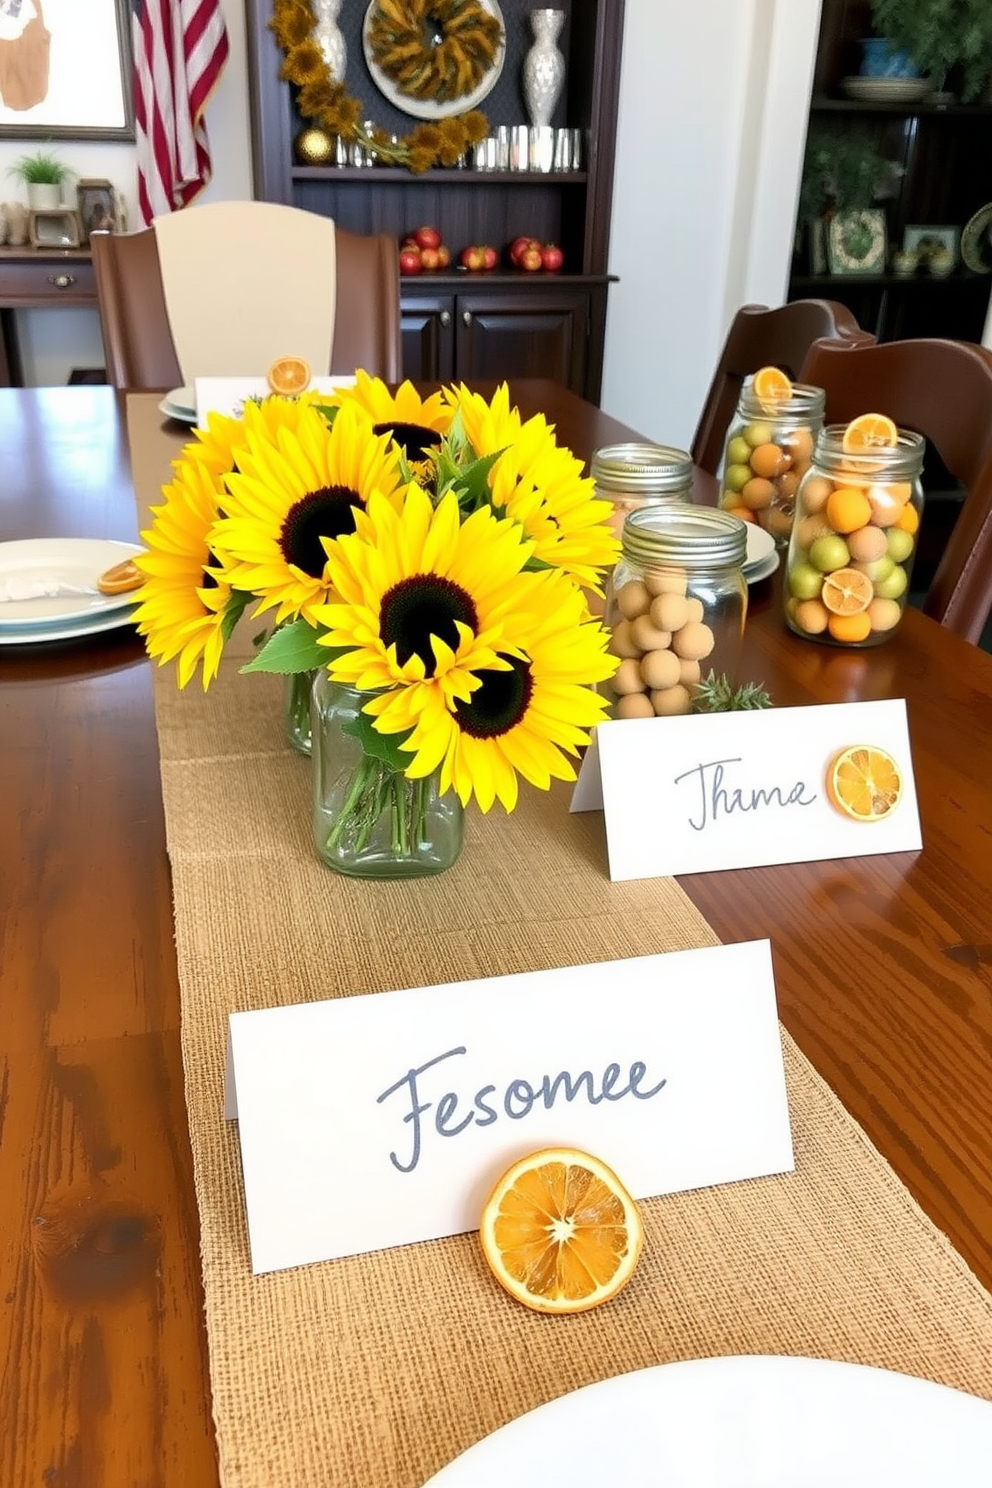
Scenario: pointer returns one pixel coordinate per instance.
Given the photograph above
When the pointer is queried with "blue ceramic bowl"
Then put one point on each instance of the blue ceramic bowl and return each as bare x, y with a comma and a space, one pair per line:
879, 59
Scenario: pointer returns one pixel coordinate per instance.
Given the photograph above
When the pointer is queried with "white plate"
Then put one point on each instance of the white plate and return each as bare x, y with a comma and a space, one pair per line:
760, 546
764, 569
755, 1421
173, 411
74, 561
886, 90
183, 398
421, 108
37, 635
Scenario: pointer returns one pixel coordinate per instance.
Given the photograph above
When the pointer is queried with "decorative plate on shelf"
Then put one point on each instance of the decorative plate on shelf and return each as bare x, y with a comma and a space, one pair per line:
886, 90
976, 241
421, 108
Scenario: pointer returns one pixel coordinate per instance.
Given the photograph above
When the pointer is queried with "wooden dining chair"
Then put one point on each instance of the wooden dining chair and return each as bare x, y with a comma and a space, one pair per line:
760, 337
139, 344
943, 390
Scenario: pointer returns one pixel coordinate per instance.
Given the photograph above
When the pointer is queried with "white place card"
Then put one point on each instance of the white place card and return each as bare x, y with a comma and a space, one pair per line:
379, 1120
740, 790
228, 395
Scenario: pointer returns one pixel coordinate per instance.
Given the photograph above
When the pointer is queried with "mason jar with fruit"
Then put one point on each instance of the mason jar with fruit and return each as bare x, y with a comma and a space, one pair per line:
635, 475
855, 533
675, 607
768, 450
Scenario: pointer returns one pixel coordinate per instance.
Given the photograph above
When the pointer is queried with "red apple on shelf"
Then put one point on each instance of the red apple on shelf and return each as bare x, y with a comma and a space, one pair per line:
427, 237
410, 260
530, 259
552, 258
430, 260
490, 257
443, 256
520, 246
472, 258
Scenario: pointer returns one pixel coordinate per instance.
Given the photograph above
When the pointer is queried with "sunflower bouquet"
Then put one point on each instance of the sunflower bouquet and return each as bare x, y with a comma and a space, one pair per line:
430, 560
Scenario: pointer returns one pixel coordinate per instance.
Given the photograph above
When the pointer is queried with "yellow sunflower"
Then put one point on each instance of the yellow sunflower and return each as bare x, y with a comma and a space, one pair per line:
217, 446
539, 484
486, 664
182, 600
291, 495
416, 424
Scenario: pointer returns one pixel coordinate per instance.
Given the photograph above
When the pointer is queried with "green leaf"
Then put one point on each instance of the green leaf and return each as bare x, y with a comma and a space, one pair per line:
237, 604
291, 648
385, 747
714, 694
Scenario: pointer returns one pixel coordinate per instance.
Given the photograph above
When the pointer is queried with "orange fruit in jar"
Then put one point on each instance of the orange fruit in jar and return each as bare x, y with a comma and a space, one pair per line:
288, 375
758, 493
885, 507
560, 1232
867, 432
812, 616
816, 493
771, 387
849, 628
769, 460
908, 520
848, 509
864, 783
847, 591
744, 512
799, 444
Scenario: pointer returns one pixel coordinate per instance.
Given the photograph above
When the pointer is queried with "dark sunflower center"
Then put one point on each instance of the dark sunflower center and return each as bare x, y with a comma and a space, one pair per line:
499, 704
420, 607
414, 439
324, 513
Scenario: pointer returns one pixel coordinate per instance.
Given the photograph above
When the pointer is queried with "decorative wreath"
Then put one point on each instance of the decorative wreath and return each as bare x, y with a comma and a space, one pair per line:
329, 104
434, 49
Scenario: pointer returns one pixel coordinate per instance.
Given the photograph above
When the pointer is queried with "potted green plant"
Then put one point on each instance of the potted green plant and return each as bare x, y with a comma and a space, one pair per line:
942, 37
845, 176
44, 175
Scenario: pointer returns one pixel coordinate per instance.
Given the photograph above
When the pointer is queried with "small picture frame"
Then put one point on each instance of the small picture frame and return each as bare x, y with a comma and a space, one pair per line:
97, 206
857, 242
926, 240
53, 227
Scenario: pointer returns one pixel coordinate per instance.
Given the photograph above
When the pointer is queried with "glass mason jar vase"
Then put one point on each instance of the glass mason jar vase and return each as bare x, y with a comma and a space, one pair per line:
767, 452
298, 688
675, 605
369, 820
854, 540
636, 475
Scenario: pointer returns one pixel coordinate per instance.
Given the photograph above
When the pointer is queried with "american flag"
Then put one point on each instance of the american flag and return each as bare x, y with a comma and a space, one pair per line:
180, 47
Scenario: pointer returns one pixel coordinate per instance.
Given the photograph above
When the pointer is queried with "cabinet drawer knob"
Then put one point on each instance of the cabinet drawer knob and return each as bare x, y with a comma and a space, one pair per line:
466, 317
445, 318
62, 281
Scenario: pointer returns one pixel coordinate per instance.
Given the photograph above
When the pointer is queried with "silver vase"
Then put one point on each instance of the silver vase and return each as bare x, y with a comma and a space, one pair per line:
544, 66
328, 37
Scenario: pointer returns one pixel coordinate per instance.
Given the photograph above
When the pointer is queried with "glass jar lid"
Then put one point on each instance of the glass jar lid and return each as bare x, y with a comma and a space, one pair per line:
691, 536
641, 468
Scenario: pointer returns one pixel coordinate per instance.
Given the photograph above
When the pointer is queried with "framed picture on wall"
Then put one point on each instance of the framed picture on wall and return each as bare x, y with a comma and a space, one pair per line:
856, 242
65, 69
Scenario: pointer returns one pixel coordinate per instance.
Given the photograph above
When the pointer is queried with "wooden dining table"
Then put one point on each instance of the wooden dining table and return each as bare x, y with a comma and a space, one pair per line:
883, 972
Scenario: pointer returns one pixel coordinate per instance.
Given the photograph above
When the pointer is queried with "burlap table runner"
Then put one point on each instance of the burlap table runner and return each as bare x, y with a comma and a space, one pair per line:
374, 1371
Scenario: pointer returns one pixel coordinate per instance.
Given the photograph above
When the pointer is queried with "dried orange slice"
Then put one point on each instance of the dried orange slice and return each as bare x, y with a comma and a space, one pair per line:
867, 432
288, 375
120, 578
847, 591
771, 387
864, 783
560, 1232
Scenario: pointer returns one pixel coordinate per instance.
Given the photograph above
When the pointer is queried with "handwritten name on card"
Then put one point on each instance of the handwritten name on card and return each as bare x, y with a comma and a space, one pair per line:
741, 790
379, 1120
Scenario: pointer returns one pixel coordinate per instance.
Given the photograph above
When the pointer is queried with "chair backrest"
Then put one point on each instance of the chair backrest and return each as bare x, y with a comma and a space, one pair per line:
943, 390
759, 337
137, 337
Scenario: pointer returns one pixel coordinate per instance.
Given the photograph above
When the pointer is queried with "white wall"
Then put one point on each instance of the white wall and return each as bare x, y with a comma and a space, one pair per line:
54, 341
713, 105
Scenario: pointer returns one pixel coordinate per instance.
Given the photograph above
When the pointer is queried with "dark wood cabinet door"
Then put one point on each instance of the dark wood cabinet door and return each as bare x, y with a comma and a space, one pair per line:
427, 326
524, 335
